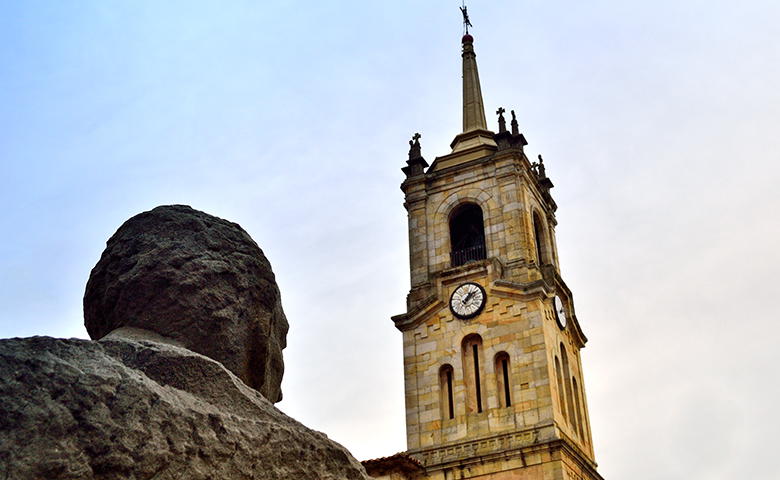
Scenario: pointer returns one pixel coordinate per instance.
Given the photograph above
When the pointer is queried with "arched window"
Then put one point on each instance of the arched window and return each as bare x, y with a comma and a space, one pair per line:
567, 384
502, 380
467, 234
551, 243
472, 360
577, 407
446, 378
585, 426
539, 239
559, 378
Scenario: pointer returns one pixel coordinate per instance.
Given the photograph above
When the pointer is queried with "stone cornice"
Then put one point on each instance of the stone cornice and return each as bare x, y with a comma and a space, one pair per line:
576, 453
503, 447
405, 321
523, 291
481, 155
478, 450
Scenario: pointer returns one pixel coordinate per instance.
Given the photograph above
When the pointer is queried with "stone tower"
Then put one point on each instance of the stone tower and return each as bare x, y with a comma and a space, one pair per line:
493, 378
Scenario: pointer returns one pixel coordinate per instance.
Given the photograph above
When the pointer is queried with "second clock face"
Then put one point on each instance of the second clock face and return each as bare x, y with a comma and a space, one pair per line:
560, 311
467, 300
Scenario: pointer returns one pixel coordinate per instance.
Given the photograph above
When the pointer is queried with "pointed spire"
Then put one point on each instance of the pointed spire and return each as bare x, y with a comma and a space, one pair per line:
473, 109
475, 132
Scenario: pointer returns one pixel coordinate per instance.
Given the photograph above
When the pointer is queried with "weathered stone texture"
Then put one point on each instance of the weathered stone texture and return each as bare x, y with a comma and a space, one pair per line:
198, 280
516, 325
118, 408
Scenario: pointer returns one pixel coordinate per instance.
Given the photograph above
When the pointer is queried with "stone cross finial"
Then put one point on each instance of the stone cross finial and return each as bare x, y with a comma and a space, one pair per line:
501, 120
414, 146
515, 128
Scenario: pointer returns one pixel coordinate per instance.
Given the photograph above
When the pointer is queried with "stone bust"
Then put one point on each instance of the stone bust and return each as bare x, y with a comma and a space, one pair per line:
179, 275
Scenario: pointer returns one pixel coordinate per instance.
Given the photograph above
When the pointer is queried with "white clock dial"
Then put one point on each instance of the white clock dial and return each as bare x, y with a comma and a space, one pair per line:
560, 311
467, 300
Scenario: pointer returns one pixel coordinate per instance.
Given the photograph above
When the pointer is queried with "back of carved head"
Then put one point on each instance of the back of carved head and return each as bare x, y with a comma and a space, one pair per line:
199, 280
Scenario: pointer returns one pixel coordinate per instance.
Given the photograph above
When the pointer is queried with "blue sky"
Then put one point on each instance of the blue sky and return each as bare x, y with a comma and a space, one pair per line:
659, 125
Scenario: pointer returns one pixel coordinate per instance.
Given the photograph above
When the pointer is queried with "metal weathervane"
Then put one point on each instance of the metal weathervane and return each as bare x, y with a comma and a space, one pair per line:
466, 21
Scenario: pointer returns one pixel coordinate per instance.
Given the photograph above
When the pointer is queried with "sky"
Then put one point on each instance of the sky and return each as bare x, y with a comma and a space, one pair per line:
658, 122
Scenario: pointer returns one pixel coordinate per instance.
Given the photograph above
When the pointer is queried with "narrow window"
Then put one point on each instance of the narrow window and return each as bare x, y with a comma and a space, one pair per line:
558, 377
475, 348
502, 380
472, 352
539, 239
449, 394
505, 368
467, 234
446, 402
577, 407
567, 386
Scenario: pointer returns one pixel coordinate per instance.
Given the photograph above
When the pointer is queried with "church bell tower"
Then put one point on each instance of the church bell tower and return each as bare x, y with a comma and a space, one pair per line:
491, 342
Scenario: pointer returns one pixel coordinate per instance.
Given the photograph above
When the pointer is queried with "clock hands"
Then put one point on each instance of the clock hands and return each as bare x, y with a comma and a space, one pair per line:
466, 300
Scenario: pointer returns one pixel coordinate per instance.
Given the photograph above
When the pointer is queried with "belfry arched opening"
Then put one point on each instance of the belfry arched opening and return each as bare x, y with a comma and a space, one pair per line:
467, 234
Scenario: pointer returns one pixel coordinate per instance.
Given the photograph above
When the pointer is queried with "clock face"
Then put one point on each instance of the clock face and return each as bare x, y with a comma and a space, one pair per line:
467, 300
560, 311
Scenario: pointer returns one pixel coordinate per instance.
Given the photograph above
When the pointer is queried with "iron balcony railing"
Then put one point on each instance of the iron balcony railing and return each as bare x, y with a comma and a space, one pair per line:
466, 255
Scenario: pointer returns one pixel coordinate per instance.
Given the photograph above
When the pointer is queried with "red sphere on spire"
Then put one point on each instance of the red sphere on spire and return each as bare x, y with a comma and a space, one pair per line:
467, 39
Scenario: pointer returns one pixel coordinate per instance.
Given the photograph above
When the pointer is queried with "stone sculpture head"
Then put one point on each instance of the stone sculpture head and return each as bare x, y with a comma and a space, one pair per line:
198, 280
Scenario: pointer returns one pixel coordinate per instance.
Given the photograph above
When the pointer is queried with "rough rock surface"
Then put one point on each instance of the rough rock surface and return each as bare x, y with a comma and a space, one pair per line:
118, 408
199, 280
